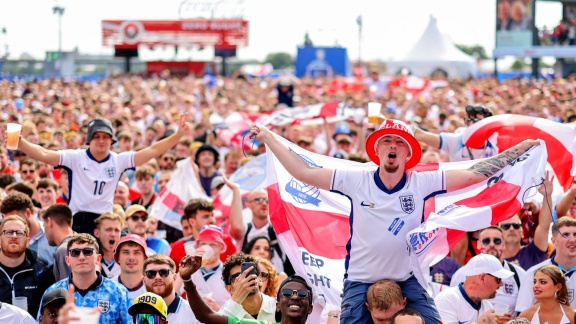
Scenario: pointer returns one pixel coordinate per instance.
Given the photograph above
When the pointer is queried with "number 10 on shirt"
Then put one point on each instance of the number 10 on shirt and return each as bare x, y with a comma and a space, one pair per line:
99, 187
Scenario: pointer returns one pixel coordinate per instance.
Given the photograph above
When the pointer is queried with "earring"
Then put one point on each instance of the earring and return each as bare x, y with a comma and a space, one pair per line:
556, 294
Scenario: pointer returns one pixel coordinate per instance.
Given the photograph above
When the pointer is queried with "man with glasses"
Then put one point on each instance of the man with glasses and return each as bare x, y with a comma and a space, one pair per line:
491, 242
294, 299
260, 224
29, 171
17, 203
246, 300
159, 276
136, 217
168, 161
22, 273
97, 170
534, 252
468, 302
130, 254
91, 288
564, 257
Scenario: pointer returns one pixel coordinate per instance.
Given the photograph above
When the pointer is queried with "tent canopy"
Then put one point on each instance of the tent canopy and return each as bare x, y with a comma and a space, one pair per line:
435, 51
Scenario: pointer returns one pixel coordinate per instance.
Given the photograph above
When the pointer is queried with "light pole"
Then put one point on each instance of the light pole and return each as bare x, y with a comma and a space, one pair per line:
359, 22
58, 10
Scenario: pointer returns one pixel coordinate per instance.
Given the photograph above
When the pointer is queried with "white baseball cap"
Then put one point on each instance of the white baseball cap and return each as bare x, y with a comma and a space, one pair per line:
486, 263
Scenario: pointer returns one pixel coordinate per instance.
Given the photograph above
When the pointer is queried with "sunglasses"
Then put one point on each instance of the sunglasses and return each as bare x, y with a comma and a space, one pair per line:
233, 277
260, 200
27, 171
301, 293
167, 158
507, 226
498, 280
147, 318
151, 274
496, 241
135, 218
264, 276
86, 251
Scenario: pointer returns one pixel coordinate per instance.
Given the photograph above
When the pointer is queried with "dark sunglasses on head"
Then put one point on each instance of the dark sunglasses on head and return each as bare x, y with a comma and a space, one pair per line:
498, 280
147, 318
507, 226
260, 200
301, 293
135, 218
86, 251
151, 274
496, 241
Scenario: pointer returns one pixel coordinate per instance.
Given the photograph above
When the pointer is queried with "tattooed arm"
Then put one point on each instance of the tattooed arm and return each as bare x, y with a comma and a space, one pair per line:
457, 179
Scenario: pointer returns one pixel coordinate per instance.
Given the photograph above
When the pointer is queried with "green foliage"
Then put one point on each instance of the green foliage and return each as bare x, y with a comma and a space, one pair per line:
473, 50
518, 65
280, 60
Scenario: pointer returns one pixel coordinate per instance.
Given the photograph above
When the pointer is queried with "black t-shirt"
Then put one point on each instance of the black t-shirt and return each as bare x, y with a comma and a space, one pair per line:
12, 271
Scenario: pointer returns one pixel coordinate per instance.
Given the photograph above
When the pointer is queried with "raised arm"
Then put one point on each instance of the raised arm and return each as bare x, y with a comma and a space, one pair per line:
317, 177
545, 217
162, 146
564, 205
39, 153
429, 138
202, 311
237, 228
480, 171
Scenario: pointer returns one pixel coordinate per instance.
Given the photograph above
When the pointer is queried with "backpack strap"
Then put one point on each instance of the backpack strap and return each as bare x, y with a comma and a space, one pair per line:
513, 269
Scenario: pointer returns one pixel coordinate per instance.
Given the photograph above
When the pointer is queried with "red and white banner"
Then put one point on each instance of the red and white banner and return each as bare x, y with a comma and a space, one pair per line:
185, 33
513, 129
313, 225
183, 186
231, 129
332, 111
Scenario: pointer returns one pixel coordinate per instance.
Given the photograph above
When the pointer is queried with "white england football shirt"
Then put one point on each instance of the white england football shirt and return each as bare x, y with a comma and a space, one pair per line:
508, 293
455, 306
92, 183
381, 218
453, 145
526, 297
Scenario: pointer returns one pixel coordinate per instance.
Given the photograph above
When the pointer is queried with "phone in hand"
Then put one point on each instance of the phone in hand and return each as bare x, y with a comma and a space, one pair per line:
246, 265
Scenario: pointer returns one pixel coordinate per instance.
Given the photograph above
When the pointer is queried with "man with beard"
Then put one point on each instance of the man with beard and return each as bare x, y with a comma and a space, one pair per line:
246, 300
22, 273
491, 242
294, 300
159, 277
468, 302
136, 217
108, 229
387, 203
130, 254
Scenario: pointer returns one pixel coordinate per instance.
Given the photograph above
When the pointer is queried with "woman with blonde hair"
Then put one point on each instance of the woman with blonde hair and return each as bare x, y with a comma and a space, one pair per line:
551, 293
271, 279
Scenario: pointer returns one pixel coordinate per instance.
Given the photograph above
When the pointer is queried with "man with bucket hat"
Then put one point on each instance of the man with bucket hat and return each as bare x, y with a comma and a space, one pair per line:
386, 203
94, 173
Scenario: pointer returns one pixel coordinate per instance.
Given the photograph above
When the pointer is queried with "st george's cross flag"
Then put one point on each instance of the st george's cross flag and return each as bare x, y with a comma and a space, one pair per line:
313, 225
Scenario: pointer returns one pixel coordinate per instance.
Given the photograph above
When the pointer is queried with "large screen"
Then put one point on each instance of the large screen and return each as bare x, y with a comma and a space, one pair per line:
514, 23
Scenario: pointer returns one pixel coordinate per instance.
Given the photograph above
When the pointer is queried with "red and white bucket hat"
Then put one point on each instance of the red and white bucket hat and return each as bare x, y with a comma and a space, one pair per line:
396, 128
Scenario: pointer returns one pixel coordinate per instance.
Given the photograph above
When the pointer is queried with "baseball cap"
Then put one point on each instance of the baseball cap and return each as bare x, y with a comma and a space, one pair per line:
133, 209
212, 233
216, 181
130, 238
100, 125
486, 263
206, 147
150, 299
342, 128
54, 295
396, 128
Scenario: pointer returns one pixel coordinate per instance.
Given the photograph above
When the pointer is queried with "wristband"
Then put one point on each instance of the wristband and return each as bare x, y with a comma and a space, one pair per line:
189, 279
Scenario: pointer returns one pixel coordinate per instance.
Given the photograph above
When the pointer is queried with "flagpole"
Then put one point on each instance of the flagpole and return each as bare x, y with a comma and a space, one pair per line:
359, 22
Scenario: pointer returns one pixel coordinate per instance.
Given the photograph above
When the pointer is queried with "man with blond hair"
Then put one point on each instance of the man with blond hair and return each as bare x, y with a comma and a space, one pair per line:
384, 299
108, 229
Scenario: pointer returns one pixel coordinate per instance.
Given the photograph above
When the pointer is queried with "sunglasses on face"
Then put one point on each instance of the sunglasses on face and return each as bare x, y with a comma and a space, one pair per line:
264, 276
507, 226
498, 280
27, 171
151, 274
86, 251
135, 218
168, 158
147, 318
301, 293
260, 200
497, 241
233, 278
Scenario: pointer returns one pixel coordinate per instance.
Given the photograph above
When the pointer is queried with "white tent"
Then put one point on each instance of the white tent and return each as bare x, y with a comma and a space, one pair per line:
435, 51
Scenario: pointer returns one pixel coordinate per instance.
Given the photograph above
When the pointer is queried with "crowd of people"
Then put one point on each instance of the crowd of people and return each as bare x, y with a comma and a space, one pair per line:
78, 229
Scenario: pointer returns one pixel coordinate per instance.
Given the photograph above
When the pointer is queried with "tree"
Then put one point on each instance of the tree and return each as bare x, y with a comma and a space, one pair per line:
518, 65
279, 60
474, 50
